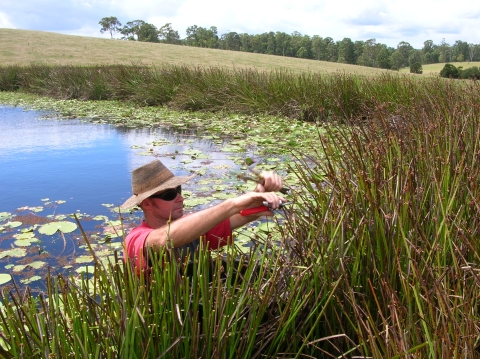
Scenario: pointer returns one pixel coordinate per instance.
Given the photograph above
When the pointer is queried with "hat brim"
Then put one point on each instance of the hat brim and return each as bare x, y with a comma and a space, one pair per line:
173, 182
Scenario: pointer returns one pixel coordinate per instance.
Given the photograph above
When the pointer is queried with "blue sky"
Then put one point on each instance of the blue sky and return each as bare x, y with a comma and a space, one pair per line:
389, 22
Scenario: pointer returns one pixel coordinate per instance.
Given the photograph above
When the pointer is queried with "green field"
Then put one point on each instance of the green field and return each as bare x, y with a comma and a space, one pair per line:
434, 69
24, 47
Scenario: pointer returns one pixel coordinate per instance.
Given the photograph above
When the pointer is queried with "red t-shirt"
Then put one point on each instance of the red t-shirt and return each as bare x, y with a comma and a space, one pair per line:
217, 237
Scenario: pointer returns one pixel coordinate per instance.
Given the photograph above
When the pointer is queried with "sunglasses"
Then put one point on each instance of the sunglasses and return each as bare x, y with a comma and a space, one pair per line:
169, 194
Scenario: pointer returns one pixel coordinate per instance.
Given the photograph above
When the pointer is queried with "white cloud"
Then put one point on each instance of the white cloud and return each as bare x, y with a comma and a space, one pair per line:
5, 22
387, 21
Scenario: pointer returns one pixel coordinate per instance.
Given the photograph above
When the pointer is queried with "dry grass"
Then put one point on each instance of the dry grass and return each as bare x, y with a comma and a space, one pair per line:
24, 47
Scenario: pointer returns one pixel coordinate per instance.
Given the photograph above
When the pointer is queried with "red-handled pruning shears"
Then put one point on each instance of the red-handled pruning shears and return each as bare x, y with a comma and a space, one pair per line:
265, 207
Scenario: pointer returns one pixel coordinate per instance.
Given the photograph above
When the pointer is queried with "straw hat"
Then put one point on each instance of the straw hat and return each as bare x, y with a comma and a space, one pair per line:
150, 179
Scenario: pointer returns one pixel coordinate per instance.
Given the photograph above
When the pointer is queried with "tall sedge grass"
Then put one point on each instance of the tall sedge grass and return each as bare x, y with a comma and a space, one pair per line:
230, 307
306, 96
379, 257
393, 206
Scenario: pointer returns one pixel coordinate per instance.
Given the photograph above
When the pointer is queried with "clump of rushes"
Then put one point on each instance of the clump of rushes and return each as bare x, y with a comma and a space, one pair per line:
306, 96
223, 307
393, 207
379, 256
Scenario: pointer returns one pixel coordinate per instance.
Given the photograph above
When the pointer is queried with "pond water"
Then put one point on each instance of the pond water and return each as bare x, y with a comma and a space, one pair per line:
52, 168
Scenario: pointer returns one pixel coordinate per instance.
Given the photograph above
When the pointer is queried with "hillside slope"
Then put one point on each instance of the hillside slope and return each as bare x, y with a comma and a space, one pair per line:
24, 47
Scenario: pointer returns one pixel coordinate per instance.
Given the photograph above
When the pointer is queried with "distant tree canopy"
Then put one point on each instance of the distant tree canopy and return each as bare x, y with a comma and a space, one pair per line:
365, 53
110, 24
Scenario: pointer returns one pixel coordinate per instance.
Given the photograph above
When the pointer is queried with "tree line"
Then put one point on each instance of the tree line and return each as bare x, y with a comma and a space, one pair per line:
365, 53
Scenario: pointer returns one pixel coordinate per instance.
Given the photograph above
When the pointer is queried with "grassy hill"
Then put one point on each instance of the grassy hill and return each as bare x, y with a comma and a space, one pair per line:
24, 47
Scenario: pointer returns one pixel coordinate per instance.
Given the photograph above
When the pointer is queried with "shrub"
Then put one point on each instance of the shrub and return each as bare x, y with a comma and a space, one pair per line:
449, 71
471, 73
416, 68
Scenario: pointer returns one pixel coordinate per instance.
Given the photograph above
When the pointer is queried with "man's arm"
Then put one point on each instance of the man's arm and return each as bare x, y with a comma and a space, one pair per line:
188, 228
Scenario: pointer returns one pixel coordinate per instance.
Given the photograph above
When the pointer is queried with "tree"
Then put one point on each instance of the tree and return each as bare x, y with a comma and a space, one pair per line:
357, 50
370, 52
202, 37
282, 41
346, 51
404, 49
168, 35
460, 51
130, 30
230, 41
472, 48
415, 56
317, 47
148, 33
383, 58
110, 24
397, 60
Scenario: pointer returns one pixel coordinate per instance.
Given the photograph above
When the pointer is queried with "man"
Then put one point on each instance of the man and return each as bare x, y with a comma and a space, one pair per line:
158, 193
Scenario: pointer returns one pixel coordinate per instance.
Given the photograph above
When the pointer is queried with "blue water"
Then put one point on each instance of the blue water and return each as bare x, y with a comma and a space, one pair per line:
84, 164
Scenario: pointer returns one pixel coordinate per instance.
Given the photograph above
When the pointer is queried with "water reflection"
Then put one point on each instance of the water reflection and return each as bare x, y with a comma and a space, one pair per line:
88, 166
83, 163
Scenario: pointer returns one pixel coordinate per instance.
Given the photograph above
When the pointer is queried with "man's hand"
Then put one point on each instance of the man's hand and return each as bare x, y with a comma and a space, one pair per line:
271, 182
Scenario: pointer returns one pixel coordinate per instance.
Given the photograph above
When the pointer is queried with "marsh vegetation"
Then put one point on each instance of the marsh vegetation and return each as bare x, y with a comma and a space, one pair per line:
379, 256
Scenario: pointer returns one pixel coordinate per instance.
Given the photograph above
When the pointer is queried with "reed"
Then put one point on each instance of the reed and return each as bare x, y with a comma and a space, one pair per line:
378, 258
392, 206
305, 96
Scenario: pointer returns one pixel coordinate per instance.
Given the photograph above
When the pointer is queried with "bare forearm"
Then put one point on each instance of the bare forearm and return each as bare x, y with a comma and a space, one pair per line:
188, 228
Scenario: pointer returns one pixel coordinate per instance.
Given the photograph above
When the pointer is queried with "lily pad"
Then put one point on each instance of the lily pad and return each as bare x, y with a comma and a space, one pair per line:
26, 242
62, 226
13, 224
84, 269
4, 215
34, 265
4, 278
84, 259
26, 235
14, 252
31, 279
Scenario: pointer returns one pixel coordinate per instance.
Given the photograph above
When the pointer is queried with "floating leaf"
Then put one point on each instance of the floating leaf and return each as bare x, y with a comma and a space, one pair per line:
30, 280
84, 259
4, 278
26, 242
26, 235
15, 252
100, 218
62, 226
88, 269
4, 215
13, 224
34, 265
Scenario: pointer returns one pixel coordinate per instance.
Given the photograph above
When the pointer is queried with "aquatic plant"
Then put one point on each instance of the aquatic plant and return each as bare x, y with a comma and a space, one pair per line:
305, 96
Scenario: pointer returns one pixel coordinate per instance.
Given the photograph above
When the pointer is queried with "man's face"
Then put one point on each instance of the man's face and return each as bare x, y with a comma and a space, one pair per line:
164, 209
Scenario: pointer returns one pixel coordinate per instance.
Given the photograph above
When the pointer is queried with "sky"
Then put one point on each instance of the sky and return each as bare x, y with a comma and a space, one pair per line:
387, 21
